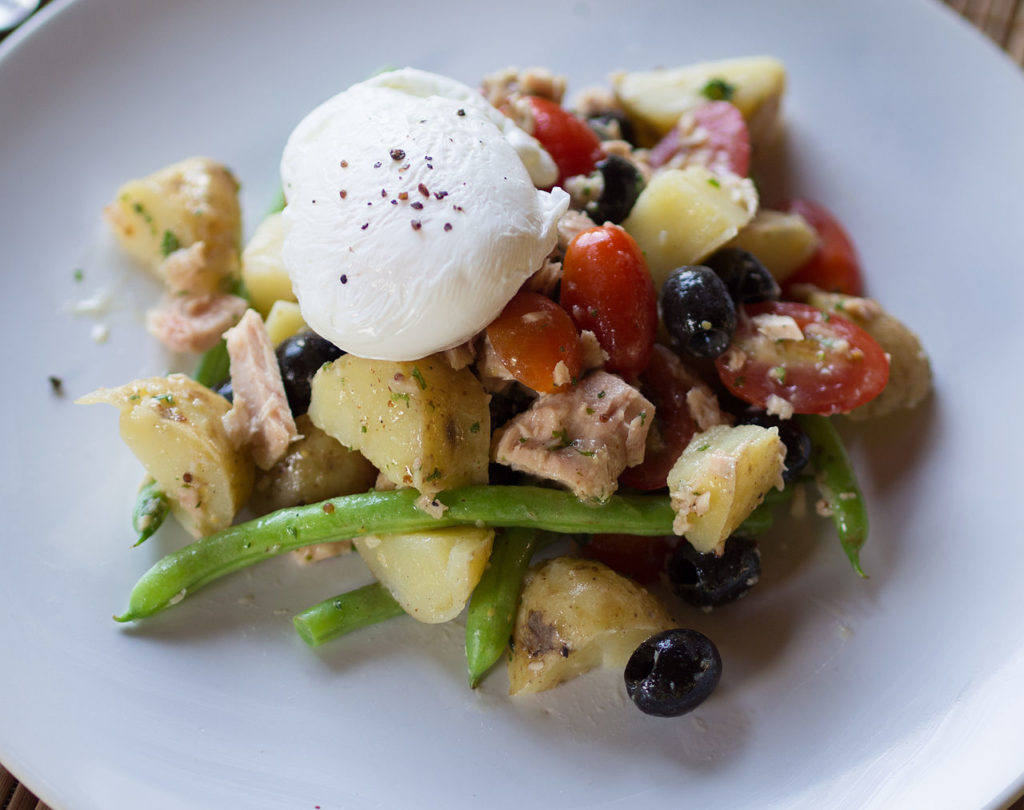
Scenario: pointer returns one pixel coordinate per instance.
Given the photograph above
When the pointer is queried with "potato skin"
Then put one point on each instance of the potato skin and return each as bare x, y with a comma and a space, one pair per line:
575, 615
173, 426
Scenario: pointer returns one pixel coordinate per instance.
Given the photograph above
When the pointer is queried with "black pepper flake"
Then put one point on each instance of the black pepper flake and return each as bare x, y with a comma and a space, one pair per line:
394, 202
397, 154
416, 224
365, 226
344, 279
423, 190
427, 157
447, 226
430, 165
377, 165
417, 205
344, 164
440, 195
383, 192
458, 208
343, 194
460, 111
56, 385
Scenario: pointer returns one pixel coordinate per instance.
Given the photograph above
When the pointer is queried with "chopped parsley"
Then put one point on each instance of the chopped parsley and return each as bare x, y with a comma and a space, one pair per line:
713, 181
78, 274
417, 374
718, 89
400, 397
474, 428
168, 398
169, 243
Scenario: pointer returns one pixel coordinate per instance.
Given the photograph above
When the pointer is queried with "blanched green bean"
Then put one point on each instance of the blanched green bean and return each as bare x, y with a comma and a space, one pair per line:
346, 613
183, 572
151, 508
837, 483
492, 608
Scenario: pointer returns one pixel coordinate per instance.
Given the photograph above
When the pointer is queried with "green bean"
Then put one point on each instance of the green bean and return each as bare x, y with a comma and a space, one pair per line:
492, 608
213, 365
182, 572
278, 203
837, 483
761, 519
151, 508
346, 613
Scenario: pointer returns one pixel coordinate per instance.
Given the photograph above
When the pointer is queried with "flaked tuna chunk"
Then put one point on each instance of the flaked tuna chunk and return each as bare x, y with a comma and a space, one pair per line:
582, 438
193, 323
259, 416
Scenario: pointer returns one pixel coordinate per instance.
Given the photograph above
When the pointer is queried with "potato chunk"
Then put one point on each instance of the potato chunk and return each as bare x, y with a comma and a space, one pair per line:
684, 215
782, 242
431, 574
421, 423
263, 269
173, 426
575, 615
910, 372
655, 99
720, 478
190, 202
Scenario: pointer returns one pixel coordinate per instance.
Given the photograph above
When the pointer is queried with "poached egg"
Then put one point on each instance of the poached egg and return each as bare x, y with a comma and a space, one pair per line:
413, 214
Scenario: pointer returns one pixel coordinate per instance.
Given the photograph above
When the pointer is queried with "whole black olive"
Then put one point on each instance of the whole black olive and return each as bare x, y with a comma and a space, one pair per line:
698, 311
747, 279
673, 672
798, 443
622, 184
707, 580
299, 358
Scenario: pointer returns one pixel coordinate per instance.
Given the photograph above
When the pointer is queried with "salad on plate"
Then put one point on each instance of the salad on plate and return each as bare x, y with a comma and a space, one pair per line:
546, 367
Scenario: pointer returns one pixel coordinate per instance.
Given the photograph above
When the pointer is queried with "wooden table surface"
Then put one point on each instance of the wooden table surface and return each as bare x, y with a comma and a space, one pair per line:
1001, 20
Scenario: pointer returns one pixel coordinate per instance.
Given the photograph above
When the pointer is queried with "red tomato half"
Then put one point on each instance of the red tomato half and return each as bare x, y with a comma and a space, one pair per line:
637, 557
833, 369
714, 135
532, 336
572, 144
665, 382
607, 288
834, 266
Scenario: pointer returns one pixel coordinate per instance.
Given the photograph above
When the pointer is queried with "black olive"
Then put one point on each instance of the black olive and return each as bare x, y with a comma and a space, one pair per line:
798, 443
698, 311
299, 358
612, 125
673, 672
707, 580
225, 390
622, 184
747, 279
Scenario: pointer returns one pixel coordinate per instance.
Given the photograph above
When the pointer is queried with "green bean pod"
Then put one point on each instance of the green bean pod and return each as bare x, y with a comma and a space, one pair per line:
151, 509
837, 483
183, 572
346, 613
213, 365
492, 608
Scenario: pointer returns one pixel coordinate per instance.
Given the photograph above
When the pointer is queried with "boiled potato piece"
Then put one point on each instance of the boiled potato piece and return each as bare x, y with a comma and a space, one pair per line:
684, 215
720, 478
284, 320
421, 423
316, 467
173, 426
575, 615
193, 201
263, 269
782, 242
655, 99
431, 574
910, 372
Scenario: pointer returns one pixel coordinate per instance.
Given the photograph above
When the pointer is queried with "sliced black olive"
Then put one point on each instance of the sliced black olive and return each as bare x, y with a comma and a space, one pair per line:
673, 672
621, 185
698, 311
798, 444
707, 580
299, 358
225, 390
612, 125
747, 279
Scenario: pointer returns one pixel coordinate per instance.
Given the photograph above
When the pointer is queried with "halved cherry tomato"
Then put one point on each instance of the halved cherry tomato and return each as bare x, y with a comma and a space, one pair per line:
607, 288
532, 335
714, 135
640, 558
572, 144
834, 266
665, 382
833, 368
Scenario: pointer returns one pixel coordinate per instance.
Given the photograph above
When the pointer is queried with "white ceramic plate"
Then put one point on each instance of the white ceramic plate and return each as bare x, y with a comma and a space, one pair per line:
903, 690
